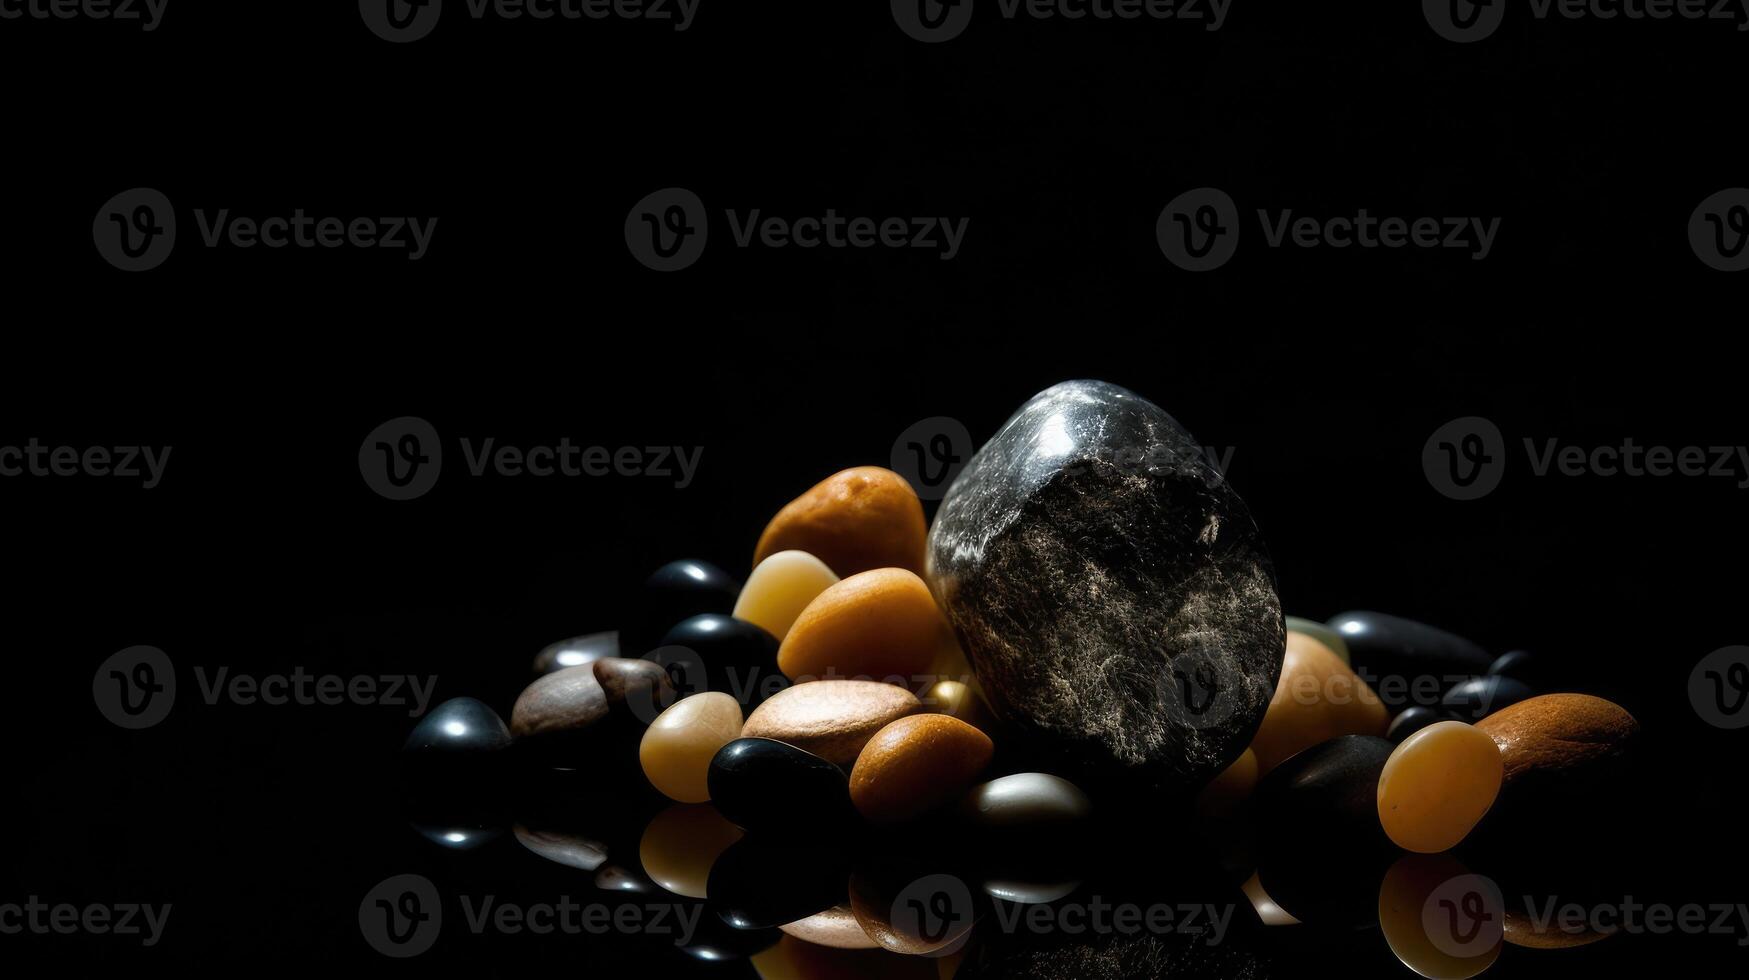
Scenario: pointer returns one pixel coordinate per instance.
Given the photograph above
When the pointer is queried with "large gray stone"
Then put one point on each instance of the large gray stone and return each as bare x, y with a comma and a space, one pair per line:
1111, 590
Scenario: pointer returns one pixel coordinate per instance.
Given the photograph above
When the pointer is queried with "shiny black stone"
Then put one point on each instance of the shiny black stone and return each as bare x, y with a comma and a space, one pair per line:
674, 592
1412, 720
577, 651
1532, 669
1322, 849
715, 942
765, 881
721, 653
457, 728
761, 783
1406, 662
1111, 590
1479, 697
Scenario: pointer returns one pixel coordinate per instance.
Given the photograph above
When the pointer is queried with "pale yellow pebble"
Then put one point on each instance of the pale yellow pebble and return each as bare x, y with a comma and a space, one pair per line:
780, 588
677, 747
680, 845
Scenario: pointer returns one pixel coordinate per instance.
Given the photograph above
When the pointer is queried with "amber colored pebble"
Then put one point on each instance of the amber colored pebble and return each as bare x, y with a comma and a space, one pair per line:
1317, 698
960, 700
877, 625
831, 719
1558, 732
1233, 786
677, 748
1437, 918
780, 588
1437, 785
858, 519
835, 927
917, 764
680, 845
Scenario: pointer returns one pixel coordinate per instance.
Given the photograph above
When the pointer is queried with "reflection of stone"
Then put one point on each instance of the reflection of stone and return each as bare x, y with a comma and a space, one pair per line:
570, 850
1113, 594
577, 651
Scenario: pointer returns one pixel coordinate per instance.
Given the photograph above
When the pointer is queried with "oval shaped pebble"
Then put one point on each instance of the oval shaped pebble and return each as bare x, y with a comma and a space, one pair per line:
639, 688
1327, 791
577, 651
1527, 667
1559, 736
1479, 697
1026, 800
1437, 924
854, 520
958, 699
1437, 786
780, 588
766, 881
680, 845
1411, 720
1401, 658
1316, 699
563, 702
676, 591
677, 749
735, 657
831, 719
457, 728
761, 783
877, 624
1320, 632
571, 850
879, 902
916, 764
836, 927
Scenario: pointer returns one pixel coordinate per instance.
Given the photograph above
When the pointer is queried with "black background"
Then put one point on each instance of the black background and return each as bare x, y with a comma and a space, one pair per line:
1324, 371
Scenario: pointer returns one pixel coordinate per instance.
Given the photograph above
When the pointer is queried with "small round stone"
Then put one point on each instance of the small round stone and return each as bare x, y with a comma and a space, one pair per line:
854, 520
1451, 941
1437, 786
714, 652
676, 591
915, 765
831, 719
764, 784
780, 588
577, 651
1026, 800
638, 688
1316, 699
1412, 720
1532, 669
879, 625
680, 845
563, 702
960, 700
677, 748
1320, 632
1559, 736
1479, 697
456, 728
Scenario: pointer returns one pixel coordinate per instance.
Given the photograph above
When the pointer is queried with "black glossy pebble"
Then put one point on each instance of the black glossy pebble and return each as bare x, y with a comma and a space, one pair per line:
1479, 697
714, 942
1528, 667
1321, 838
1413, 719
1401, 659
577, 651
761, 883
726, 654
457, 728
761, 783
676, 591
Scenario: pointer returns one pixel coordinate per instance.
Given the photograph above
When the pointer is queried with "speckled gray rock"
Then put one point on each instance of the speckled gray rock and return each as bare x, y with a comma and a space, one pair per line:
1115, 598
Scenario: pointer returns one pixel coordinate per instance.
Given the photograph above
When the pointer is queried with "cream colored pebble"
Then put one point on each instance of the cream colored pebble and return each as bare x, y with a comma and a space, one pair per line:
677, 748
780, 588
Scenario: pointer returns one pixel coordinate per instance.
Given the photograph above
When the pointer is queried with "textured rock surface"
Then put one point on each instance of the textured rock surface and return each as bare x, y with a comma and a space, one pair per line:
1115, 598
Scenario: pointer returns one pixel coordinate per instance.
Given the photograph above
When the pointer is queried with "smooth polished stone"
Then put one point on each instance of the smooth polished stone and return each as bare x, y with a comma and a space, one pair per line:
1437, 786
1437, 941
727, 655
854, 520
680, 845
780, 588
764, 784
1026, 801
1269, 912
457, 728
1329, 791
577, 651
762, 882
831, 719
618, 878
1558, 736
1030, 892
1225, 793
879, 625
1479, 697
1412, 720
958, 699
1530, 668
1316, 699
677, 748
885, 904
458, 836
1407, 662
639, 689
571, 850
566, 701
1111, 589
915, 765
1320, 632
835, 927
676, 591
715, 942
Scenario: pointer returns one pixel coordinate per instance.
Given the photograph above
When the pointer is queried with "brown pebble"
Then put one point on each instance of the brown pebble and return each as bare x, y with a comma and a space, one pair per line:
831, 719
566, 700
1317, 698
874, 625
858, 519
642, 687
915, 765
572, 850
835, 927
1558, 733
874, 901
